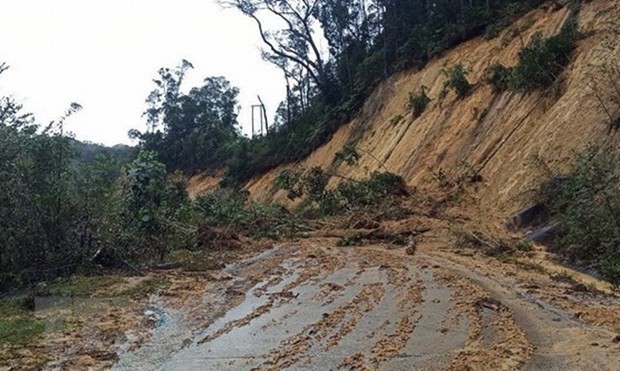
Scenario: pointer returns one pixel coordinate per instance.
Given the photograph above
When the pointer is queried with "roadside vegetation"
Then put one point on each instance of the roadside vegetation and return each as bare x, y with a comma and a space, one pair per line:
77, 208
587, 203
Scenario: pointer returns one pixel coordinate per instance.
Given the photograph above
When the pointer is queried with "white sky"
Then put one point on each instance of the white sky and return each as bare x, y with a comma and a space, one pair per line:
104, 54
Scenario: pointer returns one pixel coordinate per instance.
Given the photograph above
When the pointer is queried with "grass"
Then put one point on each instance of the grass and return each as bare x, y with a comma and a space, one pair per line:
16, 306
78, 286
19, 330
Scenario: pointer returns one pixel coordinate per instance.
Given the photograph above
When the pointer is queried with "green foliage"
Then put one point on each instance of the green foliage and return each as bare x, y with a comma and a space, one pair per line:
349, 154
50, 207
16, 306
194, 131
231, 210
588, 205
146, 287
543, 59
499, 77
150, 206
78, 285
457, 80
524, 246
507, 14
19, 330
418, 102
380, 189
368, 43
396, 120
351, 239
540, 62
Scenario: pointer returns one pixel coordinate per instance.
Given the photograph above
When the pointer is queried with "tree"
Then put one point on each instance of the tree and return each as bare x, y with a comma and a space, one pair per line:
38, 207
193, 131
142, 206
296, 41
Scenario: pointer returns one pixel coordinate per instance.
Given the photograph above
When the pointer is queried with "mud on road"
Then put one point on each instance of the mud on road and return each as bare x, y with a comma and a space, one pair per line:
309, 305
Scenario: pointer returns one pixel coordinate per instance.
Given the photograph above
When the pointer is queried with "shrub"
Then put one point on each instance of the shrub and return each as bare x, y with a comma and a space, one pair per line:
396, 120
588, 205
289, 181
542, 60
351, 239
349, 154
499, 76
232, 211
418, 102
457, 80
379, 190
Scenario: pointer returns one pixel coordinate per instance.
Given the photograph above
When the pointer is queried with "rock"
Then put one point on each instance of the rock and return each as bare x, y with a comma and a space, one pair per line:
525, 217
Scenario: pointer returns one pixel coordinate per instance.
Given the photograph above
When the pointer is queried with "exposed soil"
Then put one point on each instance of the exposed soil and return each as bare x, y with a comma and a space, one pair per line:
310, 305
307, 304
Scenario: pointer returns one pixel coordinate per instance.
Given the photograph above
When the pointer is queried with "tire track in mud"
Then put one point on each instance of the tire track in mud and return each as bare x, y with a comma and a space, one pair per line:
536, 334
309, 307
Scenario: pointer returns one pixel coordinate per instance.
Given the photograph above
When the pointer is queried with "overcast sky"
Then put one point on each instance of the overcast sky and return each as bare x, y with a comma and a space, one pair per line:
104, 55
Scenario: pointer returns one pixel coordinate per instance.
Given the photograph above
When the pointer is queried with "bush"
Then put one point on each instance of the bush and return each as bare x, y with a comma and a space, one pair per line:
457, 80
232, 211
418, 102
588, 205
396, 120
349, 154
378, 190
351, 239
499, 77
542, 60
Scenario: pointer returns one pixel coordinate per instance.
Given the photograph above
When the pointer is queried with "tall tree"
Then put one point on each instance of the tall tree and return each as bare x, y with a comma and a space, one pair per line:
193, 131
296, 41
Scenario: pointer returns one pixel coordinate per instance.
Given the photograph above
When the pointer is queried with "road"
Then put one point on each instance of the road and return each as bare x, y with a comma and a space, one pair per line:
311, 306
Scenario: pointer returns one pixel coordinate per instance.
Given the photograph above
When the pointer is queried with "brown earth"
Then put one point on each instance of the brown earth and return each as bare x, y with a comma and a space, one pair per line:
497, 135
374, 307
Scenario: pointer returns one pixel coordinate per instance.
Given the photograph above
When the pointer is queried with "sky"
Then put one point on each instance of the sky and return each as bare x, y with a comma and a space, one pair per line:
105, 54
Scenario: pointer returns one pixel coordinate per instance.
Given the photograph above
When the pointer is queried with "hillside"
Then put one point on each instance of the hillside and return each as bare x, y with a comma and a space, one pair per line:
403, 257
495, 134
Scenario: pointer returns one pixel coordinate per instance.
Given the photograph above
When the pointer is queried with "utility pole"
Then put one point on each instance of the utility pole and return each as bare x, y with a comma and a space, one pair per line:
262, 117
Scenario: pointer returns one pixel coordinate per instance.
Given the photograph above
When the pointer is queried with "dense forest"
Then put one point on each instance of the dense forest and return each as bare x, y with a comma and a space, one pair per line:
69, 206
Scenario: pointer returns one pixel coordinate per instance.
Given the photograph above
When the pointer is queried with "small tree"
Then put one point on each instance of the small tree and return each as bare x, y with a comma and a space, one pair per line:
418, 102
144, 192
457, 80
542, 60
499, 77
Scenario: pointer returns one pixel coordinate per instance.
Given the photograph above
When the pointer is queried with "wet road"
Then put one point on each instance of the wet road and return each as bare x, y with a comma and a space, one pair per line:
346, 308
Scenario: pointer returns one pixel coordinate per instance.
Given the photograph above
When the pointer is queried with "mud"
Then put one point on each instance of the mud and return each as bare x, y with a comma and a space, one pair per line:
312, 306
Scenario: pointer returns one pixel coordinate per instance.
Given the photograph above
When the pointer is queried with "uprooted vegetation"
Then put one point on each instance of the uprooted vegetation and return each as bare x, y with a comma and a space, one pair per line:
379, 193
